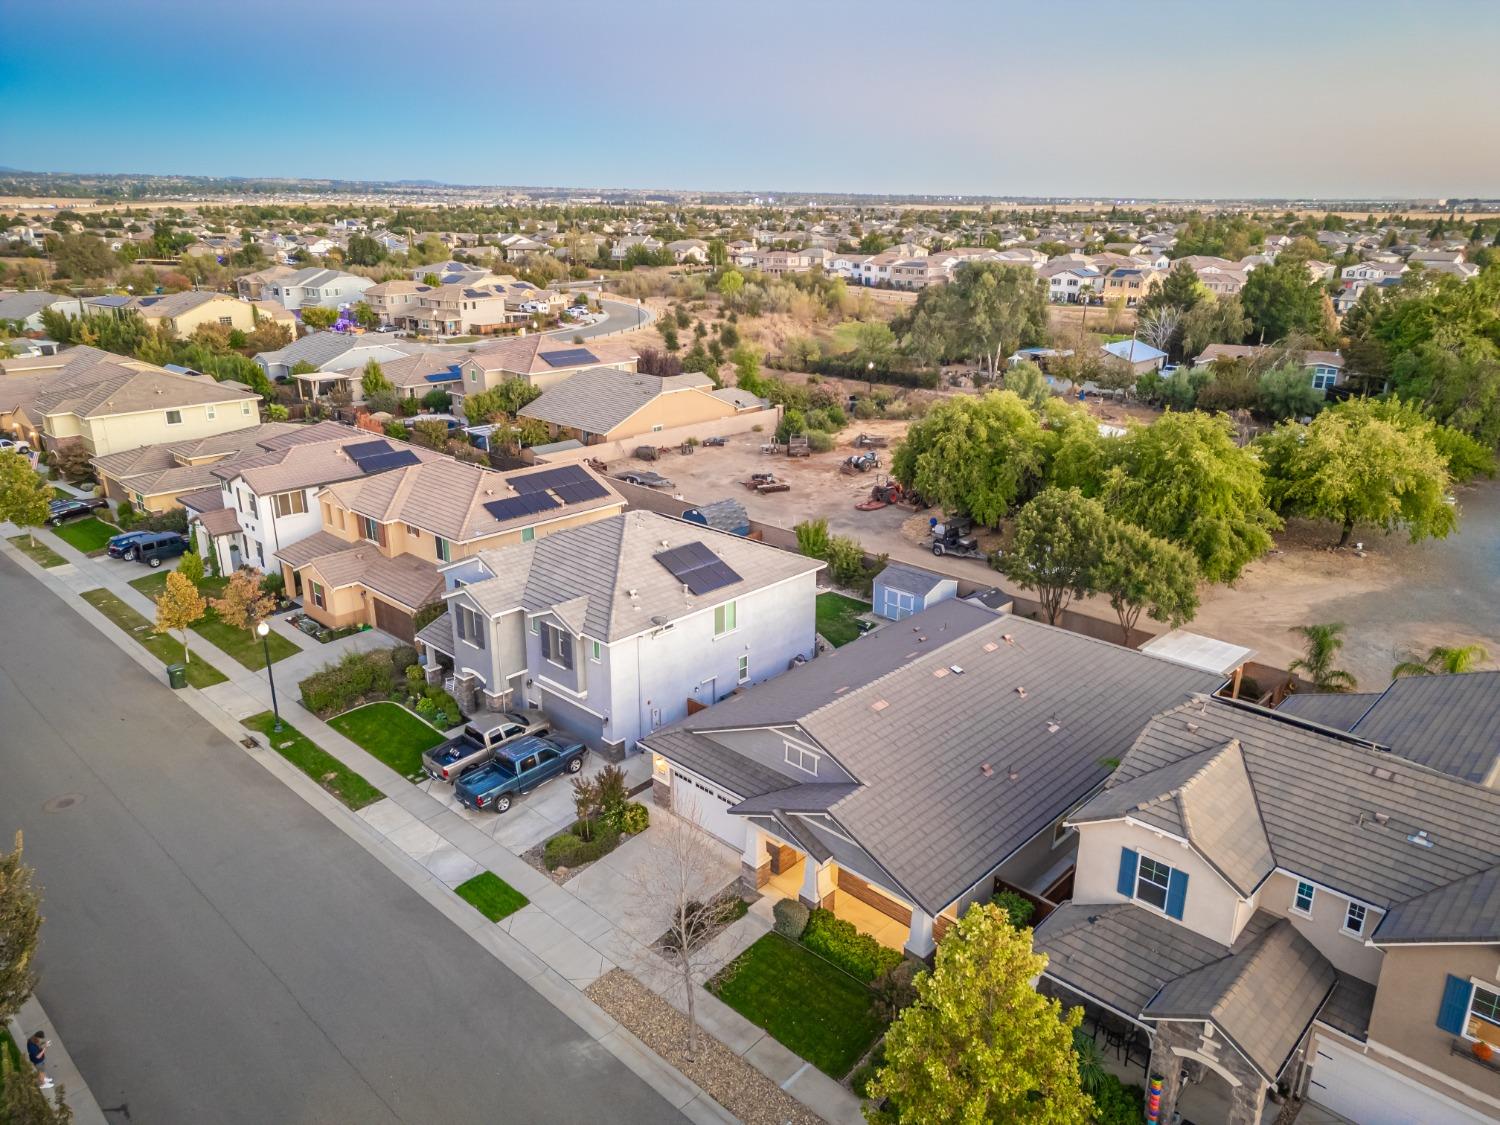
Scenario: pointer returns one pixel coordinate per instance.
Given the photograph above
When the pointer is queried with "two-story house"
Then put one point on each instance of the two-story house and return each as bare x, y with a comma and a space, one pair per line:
618, 627
156, 478
1278, 904
329, 289
542, 361
384, 535
1069, 282
918, 768
1133, 283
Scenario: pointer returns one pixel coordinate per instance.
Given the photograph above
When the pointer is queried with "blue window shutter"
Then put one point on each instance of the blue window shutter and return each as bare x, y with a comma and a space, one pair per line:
1455, 1007
1176, 893
1128, 862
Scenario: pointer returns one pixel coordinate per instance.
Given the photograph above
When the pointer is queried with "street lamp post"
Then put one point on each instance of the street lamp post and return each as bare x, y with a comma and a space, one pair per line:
263, 631
870, 376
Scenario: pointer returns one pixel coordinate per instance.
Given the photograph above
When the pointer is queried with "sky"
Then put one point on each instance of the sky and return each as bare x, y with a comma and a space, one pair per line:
1130, 98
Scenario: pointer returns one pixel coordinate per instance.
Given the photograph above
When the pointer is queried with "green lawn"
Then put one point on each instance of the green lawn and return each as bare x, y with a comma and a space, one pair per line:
89, 535
37, 552
491, 895
389, 732
238, 643
61, 493
819, 1012
165, 647
838, 617
317, 763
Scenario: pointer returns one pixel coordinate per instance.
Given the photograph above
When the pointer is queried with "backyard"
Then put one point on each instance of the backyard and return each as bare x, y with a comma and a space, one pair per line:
838, 617
165, 647
241, 644
391, 733
89, 535
337, 778
808, 1005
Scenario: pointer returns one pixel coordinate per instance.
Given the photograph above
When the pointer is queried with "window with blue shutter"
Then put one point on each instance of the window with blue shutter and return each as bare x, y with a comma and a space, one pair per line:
1455, 1006
1128, 861
1176, 894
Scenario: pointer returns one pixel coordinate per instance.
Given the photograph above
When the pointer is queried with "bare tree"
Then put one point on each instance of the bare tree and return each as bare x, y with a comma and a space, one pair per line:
682, 879
1159, 326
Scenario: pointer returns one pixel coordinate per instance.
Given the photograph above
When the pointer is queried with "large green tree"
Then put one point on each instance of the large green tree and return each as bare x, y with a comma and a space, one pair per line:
1057, 548
980, 1044
24, 495
1138, 573
978, 456
1185, 480
984, 314
1281, 299
1352, 466
20, 926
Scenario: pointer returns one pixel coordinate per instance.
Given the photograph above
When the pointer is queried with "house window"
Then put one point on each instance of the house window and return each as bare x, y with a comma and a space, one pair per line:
260, 553
473, 375
443, 548
1483, 1021
557, 646
245, 408
174, 417
290, 503
371, 530
536, 625
1302, 901
468, 625
726, 618
210, 410
744, 669
415, 532
1354, 919
596, 651
226, 320
317, 594
801, 758
1151, 882
528, 534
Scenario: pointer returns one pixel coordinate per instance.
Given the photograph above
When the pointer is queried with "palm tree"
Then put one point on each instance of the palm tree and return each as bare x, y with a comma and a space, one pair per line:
1323, 644
1442, 660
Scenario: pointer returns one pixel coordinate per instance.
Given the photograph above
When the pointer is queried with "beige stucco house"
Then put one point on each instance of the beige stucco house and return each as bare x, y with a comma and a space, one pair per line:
603, 404
180, 314
542, 361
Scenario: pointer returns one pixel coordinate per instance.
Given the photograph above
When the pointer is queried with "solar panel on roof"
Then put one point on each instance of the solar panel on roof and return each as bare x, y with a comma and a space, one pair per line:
381, 462
569, 357
698, 568
362, 451
580, 491
550, 478
514, 507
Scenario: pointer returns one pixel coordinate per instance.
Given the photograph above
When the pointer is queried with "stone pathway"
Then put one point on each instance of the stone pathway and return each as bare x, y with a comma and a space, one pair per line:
566, 938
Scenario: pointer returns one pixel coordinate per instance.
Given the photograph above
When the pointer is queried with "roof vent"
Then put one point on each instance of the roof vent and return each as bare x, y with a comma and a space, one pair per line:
956, 669
1382, 773
1192, 728
1382, 818
633, 592
987, 770
841, 689
1053, 726
1420, 838
879, 705
990, 646
1007, 638
1012, 775
1020, 691
939, 673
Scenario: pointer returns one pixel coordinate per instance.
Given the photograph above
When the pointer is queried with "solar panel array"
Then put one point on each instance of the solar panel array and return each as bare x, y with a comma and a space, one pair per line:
698, 568
574, 478
527, 504
569, 357
360, 450
395, 459
580, 492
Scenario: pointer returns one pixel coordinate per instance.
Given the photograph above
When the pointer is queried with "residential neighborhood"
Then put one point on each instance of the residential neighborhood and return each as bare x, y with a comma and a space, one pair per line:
593, 605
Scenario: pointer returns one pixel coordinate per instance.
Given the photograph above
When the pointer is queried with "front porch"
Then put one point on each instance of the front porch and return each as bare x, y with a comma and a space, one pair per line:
880, 925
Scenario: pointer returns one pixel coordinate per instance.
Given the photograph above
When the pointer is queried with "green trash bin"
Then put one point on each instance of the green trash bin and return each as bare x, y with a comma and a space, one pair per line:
177, 675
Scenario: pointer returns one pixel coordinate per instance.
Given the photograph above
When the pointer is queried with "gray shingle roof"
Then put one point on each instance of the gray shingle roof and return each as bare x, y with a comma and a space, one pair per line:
910, 579
1263, 998
1463, 911
1451, 723
812, 797
737, 773
598, 399
1348, 1009
1339, 710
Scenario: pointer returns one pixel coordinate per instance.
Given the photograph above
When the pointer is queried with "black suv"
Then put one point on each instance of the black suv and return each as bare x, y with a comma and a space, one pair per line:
158, 545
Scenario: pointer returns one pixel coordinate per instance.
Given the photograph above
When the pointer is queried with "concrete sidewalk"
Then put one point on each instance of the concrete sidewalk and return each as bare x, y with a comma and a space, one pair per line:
560, 942
60, 1066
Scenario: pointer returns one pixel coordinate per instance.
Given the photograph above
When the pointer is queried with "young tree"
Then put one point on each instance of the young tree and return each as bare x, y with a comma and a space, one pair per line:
366, 317
1057, 548
1139, 572
372, 381
731, 284
874, 343
244, 604
178, 607
318, 318
431, 432
1322, 646
1442, 661
1352, 466
1029, 385
981, 1044
24, 495
1287, 392
20, 926
192, 568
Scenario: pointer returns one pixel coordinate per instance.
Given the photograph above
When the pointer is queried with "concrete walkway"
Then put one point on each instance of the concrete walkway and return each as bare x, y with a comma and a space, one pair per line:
562, 941
60, 1066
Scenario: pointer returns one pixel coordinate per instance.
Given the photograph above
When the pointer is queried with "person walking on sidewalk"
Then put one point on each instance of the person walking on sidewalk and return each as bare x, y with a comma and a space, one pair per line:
36, 1051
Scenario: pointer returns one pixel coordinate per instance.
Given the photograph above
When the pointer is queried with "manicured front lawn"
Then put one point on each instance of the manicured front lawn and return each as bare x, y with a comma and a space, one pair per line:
238, 643
391, 733
165, 647
491, 895
316, 762
37, 552
154, 582
838, 617
819, 1012
89, 535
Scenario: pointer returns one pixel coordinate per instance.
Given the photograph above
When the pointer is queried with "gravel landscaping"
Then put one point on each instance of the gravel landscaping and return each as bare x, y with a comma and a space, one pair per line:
731, 1081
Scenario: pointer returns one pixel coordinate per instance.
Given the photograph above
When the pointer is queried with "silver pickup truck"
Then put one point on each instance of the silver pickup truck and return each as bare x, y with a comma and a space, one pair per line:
448, 761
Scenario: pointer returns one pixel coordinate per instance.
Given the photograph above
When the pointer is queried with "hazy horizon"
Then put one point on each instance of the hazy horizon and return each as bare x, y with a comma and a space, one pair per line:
1169, 100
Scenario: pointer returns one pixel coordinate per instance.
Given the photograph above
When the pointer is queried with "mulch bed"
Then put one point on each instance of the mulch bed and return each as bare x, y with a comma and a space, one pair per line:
731, 1081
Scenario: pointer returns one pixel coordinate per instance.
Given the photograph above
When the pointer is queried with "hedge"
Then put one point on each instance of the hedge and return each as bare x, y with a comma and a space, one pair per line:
358, 676
859, 955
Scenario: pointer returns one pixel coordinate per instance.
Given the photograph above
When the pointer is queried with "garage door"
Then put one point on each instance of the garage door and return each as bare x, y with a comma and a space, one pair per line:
1365, 1092
396, 622
708, 807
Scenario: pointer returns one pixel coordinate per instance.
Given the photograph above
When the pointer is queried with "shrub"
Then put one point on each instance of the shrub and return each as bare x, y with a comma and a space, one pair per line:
416, 679
860, 1080
791, 918
897, 989
1118, 1104
635, 819
612, 795
857, 954
400, 656
846, 561
125, 515
1017, 908
340, 686
819, 442
569, 850
273, 584
427, 707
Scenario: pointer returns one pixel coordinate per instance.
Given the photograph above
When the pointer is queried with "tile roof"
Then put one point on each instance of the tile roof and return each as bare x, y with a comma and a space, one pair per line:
590, 572
524, 355
741, 775
438, 632
1466, 910
309, 464
1337, 709
1348, 1009
1451, 723
175, 304
598, 399
406, 579
115, 389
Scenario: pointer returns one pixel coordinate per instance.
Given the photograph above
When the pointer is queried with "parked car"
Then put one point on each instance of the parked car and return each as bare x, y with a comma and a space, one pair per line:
450, 760
518, 767
8, 446
649, 479
123, 546
61, 510
157, 546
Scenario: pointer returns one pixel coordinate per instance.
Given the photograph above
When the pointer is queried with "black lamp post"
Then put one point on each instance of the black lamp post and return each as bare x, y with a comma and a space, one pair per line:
263, 630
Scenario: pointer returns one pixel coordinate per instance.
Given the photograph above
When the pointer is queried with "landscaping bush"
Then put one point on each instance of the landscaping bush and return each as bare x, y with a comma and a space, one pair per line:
1017, 908
174, 520
570, 850
358, 675
791, 918
1117, 1103
857, 954
860, 1080
400, 657
635, 819
897, 989
819, 442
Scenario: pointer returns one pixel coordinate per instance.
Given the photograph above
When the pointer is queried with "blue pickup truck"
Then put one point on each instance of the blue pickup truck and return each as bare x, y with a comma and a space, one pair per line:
518, 767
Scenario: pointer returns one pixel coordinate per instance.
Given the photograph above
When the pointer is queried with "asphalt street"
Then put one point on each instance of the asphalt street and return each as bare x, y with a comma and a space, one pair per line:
215, 950
622, 316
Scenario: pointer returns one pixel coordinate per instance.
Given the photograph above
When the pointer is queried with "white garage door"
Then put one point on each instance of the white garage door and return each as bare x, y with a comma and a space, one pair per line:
1367, 1093
708, 807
